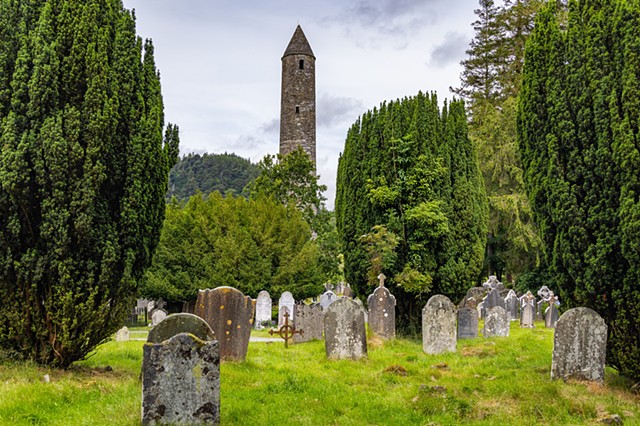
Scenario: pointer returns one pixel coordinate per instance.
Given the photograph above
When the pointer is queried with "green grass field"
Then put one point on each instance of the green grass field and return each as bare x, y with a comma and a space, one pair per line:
498, 381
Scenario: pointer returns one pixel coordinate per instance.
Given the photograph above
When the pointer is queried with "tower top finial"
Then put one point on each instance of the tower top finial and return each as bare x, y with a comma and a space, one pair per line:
299, 44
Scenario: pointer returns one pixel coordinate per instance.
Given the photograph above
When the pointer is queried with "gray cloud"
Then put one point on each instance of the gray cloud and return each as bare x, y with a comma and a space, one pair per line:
335, 109
451, 50
271, 127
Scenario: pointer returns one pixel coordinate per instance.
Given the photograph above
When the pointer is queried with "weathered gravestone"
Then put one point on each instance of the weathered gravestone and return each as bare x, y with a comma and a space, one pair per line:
122, 335
181, 381
473, 297
480, 310
439, 325
229, 313
286, 299
310, 319
347, 292
551, 313
366, 314
527, 310
496, 323
157, 315
467, 323
382, 311
511, 305
579, 346
263, 310
181, 323
327, 298
493, 299
345, 335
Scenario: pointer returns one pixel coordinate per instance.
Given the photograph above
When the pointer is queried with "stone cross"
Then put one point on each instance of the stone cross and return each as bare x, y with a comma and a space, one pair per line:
287, 331
382, 277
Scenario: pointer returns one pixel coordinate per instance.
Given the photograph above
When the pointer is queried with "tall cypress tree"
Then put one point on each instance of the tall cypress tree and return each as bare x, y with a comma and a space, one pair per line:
578, 127
83, 172
410, 168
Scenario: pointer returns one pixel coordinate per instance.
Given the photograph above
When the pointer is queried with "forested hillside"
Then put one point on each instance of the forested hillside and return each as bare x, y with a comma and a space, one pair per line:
210, 172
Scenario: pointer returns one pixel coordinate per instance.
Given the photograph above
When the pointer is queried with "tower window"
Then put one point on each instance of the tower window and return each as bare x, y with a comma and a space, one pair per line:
297, 110
301, 64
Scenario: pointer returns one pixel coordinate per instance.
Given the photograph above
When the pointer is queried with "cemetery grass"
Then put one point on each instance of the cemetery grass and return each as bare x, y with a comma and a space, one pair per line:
497, 381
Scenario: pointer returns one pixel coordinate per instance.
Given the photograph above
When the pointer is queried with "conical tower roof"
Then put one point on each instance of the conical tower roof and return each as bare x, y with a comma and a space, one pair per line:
299, 44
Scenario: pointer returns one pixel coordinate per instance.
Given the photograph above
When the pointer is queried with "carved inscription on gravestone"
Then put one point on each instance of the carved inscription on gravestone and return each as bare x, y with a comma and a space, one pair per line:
229, 313
579, 346
439, 325
181, 381
344, 330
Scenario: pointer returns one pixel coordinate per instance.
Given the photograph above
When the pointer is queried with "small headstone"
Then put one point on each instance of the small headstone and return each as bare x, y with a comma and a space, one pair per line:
551, 313
286, 299
308, 318
438, 325
180, 323
511, 303
481, 310
122, 335
527, 310
327, 298
473, 297
157, 316
467, 323
345, 335
181, 381
229, 313
339, 290
347, 292
263, 310
382, 312
579, 346
496, 323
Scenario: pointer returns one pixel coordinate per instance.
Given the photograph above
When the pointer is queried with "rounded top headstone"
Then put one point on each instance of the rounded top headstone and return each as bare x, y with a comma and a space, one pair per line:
180, 323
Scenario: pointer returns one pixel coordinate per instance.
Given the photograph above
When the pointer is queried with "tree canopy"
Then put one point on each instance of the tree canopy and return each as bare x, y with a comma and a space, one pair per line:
578, 131
83, 173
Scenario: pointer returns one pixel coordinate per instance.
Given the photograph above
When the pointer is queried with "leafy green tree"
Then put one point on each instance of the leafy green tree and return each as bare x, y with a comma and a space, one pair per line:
411, 168
252, 245
83, 172
578, 127
208, 173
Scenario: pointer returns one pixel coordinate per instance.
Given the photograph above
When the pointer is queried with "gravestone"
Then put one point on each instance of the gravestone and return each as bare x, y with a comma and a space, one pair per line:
345, 335
282, 312
481, 310
347, 292
527, 310
263, 310
122, 335
327, 298
467, 323
544, 294
180, 323
551, 313
496, 323
579, 346
473, 297
286, 299
181, 381
229, 313
382, 312
310, 319
493, 299
439, 325
366, 313
157, 315
511, 304
339, 290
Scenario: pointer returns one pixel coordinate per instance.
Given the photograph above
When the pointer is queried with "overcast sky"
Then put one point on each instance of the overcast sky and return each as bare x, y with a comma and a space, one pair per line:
220, 65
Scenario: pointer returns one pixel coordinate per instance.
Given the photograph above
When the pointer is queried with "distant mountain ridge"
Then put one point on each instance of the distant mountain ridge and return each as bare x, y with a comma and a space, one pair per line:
208, 173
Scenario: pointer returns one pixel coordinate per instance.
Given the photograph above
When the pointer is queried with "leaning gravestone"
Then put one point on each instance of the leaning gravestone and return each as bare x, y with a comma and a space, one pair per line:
181, 381
382, 311
467, 323
157, 316
579, 346
511, 305
527, 310
345, 336
263, 310
180, 323
122, 335
496, 323
439, 325
327, 298
229, 313
286, 299
309, 319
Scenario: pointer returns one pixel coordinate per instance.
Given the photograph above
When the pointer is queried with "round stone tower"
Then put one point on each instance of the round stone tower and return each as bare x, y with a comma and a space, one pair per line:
298, 98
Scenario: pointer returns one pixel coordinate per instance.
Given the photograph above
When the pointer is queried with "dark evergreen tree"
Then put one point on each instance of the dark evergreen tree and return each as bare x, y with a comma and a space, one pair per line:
83, 172
578, 127
411, 168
